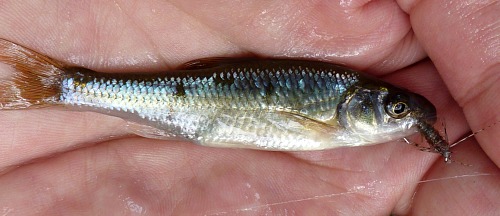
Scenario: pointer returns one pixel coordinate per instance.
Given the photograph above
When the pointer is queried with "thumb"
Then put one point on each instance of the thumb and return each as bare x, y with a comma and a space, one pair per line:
463, 41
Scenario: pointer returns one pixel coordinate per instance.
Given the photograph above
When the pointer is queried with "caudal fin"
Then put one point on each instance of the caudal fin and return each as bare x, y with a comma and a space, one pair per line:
33, 81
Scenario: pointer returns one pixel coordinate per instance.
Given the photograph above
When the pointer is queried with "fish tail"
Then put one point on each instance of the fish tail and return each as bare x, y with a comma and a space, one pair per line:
27, 78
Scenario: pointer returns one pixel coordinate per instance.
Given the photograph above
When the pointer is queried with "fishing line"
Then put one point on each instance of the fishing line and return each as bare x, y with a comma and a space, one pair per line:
473, 134
456, 177
354, 190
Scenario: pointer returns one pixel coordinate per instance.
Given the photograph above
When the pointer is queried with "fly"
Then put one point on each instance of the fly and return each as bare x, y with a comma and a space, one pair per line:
440, 144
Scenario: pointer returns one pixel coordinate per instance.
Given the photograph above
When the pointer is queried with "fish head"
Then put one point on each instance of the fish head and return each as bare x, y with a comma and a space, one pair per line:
382, 113
400, 105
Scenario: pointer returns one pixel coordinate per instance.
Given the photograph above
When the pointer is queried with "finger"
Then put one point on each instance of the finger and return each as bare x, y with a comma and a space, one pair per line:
462, 39
26, 135
446, 30
109, 35
147, 176
316, 29
463, 190
149, 35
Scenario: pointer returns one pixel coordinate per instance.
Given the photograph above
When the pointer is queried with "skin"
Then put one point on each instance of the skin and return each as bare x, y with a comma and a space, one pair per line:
59, 162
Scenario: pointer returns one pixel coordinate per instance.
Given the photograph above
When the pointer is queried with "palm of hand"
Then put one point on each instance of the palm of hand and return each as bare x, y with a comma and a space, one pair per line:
57, 160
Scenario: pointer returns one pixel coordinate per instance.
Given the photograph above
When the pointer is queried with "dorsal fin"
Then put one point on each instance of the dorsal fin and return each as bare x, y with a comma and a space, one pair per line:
211, 62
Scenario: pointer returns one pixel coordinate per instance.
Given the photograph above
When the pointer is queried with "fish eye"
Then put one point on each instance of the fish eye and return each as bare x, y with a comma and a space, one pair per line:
397, 107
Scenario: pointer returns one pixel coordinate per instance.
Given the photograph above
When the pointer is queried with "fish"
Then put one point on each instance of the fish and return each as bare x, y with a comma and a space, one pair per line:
253, 103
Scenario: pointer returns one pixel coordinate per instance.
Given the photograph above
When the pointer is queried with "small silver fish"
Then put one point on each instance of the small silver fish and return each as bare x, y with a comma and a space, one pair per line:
269, 104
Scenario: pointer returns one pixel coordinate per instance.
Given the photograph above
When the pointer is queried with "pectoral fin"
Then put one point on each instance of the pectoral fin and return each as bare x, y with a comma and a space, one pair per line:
310, 123
151, 132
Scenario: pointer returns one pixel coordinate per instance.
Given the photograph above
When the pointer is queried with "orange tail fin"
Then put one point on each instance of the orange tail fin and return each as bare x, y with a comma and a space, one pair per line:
35, 80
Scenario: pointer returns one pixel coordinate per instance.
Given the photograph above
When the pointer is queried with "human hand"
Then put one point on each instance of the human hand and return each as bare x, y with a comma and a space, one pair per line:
58, 161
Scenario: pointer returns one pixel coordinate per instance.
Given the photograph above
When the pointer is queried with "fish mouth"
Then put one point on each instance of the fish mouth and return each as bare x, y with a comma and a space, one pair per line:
425, 110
